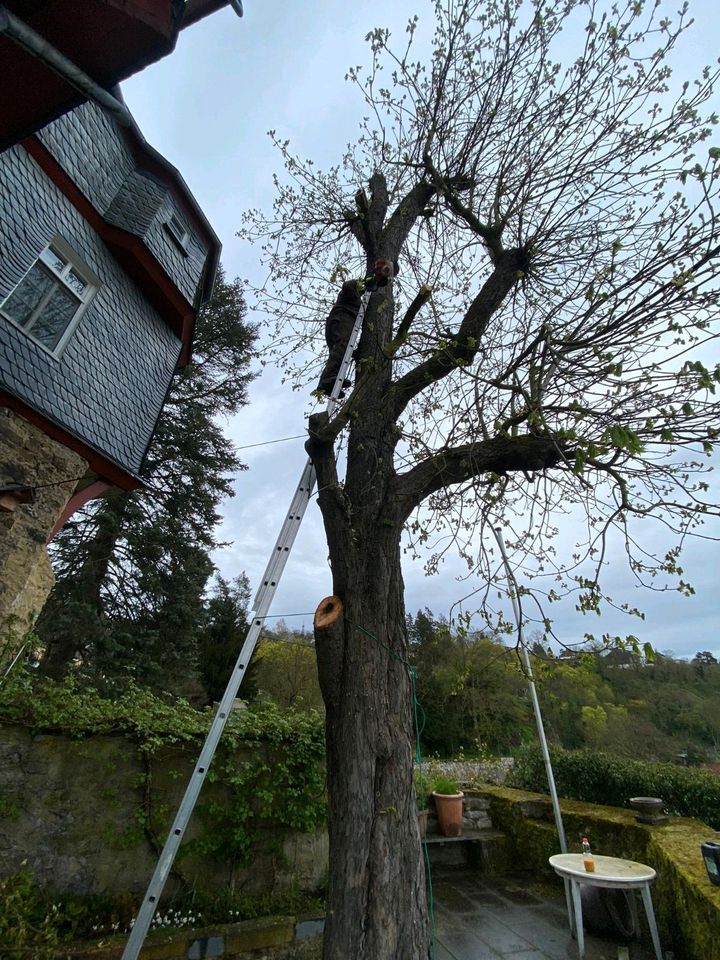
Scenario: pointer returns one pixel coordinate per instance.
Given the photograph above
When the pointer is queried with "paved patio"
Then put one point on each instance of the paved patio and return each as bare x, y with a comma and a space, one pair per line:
494, 918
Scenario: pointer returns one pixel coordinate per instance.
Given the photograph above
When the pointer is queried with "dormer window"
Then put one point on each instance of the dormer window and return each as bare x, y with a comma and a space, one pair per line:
178, 231
50, 299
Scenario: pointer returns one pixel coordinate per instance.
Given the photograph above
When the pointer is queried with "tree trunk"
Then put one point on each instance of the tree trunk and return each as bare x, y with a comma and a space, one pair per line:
84, 590
376, 898
376, 901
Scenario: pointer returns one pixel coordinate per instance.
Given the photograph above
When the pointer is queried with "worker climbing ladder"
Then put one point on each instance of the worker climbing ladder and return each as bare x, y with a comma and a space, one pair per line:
261, 607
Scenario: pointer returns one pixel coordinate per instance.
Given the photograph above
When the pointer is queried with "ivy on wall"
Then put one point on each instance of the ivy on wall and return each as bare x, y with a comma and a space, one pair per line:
269, 769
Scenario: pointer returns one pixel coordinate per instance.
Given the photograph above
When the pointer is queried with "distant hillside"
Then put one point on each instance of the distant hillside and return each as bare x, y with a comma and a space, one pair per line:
474, 695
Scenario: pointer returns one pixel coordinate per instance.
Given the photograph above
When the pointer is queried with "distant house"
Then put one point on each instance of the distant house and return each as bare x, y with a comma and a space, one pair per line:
105, 258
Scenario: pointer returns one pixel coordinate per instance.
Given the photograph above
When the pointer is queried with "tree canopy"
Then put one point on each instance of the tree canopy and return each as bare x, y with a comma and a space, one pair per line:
562, 207
542, 171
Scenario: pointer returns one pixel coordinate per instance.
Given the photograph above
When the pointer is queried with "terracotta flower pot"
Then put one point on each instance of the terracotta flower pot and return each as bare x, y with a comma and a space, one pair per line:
449, 813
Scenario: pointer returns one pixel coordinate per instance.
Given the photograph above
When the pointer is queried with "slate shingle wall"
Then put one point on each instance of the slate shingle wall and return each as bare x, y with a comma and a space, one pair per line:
91, 150
184, 268
136, 203
88, 146
108, 386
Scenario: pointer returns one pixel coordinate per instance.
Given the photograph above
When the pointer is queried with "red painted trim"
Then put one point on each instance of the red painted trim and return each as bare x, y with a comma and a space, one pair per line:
130, 250
77, 500
187, 339
99, 463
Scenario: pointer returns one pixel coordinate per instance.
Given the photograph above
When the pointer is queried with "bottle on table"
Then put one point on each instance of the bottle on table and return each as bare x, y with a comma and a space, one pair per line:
588, 859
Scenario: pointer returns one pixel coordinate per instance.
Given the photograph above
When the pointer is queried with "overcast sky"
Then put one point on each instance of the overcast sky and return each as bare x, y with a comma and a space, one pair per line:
208, 108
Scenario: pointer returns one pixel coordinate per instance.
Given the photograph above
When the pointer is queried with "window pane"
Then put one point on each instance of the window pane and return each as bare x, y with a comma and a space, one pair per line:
75, 282
55, 260
28, 294
54, 317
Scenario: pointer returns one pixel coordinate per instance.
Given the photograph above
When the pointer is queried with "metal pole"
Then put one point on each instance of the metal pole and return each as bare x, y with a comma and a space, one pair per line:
514, 594
533, 694
261, 606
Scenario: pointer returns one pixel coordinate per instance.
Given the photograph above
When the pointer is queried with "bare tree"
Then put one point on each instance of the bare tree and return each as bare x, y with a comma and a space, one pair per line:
542, 173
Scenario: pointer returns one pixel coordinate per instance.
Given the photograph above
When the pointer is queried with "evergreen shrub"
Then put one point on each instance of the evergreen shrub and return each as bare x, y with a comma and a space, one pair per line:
596, 777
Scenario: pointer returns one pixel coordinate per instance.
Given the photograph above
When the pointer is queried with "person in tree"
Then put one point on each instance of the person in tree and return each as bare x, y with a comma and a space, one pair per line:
341, 319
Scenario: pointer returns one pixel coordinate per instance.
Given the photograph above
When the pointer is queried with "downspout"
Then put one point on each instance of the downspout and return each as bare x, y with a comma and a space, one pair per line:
38, 46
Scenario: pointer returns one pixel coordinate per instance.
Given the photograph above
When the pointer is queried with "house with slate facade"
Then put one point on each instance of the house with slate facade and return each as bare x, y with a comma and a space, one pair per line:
104, 258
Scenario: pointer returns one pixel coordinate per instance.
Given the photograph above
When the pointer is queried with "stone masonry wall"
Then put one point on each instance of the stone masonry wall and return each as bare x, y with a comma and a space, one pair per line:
28, 456
74, 813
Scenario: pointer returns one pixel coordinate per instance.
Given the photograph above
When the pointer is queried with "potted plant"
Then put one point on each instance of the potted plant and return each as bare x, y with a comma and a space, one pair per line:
448, 799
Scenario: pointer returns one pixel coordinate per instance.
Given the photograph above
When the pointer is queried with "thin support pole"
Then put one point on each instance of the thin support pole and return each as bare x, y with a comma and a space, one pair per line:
533, 694
560, 827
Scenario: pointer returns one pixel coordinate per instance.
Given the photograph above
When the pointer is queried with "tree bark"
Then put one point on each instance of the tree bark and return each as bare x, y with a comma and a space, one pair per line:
376, 900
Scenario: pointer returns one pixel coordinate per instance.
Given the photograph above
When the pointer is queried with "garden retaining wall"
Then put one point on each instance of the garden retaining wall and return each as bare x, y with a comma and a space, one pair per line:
89, 817
686, 903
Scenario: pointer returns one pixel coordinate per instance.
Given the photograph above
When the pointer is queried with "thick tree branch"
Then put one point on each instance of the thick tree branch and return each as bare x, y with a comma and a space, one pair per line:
465, 344
379, 200
449, 189
403, 217
357, 228
457, 464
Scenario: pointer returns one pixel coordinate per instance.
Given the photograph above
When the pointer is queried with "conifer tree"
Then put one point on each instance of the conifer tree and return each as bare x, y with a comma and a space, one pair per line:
131, 568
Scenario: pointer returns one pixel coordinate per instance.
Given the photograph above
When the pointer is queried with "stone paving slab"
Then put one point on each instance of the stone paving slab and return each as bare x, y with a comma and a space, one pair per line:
504, 918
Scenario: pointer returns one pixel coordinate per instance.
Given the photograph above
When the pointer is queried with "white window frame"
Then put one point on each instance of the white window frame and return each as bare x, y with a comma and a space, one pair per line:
73, 262
178, 231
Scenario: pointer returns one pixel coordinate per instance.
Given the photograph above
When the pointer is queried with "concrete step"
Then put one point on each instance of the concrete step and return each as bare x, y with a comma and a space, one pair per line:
486, 851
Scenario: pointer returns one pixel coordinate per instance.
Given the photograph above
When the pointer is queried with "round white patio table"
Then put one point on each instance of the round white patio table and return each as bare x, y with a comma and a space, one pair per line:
609, 872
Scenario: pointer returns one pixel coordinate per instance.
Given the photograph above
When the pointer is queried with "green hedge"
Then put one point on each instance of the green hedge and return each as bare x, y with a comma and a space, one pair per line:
603, 778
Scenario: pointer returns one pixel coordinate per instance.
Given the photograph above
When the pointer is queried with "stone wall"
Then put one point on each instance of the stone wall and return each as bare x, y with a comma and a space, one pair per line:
28, 456
88, 817
469, 772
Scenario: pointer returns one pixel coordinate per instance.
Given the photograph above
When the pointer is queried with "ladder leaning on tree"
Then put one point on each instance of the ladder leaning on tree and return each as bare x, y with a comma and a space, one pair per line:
261, 607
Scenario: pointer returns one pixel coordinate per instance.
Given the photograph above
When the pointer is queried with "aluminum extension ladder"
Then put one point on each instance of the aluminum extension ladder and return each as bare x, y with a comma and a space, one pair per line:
261, 607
